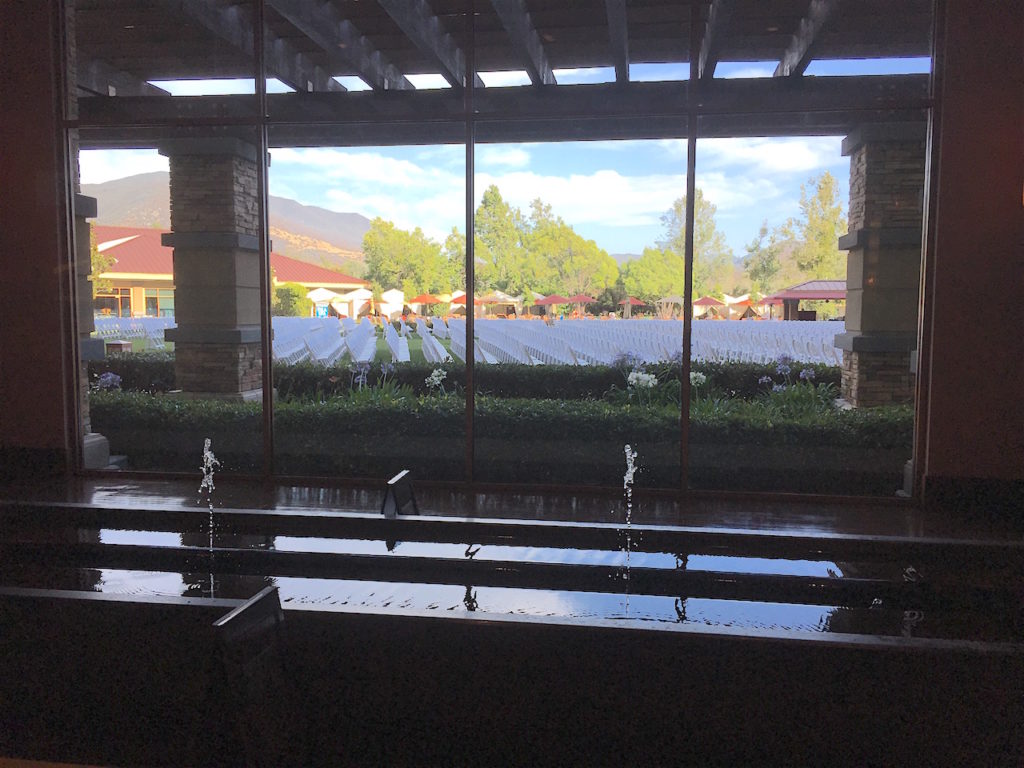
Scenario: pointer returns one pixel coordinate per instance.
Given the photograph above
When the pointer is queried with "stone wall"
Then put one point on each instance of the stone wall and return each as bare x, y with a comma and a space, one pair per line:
213, 194
877, 378
887, 175
225, 369
887, 185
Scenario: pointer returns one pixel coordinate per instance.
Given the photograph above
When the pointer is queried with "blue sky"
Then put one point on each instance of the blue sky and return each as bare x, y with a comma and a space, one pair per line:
611, 192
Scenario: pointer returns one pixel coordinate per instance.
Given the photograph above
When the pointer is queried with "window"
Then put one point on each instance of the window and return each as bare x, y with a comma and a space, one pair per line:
537, 226
159, 302
116, 302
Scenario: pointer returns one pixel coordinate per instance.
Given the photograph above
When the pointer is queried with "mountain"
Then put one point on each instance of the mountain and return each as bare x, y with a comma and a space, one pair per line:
622, 258
305, 232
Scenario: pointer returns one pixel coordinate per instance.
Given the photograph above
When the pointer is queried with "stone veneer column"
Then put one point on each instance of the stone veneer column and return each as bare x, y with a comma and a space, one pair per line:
884, 264
215, 230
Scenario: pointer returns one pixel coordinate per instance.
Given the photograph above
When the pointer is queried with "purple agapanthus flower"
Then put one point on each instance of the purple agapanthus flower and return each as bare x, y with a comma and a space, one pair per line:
807, 374
764, 380
779, 388
109, 380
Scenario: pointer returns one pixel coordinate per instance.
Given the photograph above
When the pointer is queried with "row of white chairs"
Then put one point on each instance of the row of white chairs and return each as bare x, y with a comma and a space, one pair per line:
361, 342
398, 345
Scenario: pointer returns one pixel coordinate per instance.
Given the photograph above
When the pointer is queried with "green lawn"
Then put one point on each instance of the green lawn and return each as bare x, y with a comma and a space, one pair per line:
415, 349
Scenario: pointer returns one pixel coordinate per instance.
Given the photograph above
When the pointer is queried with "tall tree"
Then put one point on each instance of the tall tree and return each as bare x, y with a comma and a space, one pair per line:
407, 260
560, 260
661, 271
499, 227
763, 260
818, 228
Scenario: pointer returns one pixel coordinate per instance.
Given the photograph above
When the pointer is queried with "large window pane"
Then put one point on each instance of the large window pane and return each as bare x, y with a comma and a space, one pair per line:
367, 258
578, 337
806, 271
169, 301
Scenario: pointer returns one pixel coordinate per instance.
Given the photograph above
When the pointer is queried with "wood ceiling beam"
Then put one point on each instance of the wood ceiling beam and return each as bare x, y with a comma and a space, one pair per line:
519, 26
417, 21
618, 35
283, 60
800, 51
714, 33
766, 107
325, 26
100, 78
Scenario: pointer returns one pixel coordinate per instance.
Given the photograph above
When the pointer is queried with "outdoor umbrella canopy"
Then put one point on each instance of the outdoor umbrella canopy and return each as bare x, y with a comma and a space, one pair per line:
632, 302
424, 298
708, 301
462, 300
581, 298
552, 299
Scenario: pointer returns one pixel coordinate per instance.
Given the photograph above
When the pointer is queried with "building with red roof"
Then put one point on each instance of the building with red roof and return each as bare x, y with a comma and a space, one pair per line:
140, 281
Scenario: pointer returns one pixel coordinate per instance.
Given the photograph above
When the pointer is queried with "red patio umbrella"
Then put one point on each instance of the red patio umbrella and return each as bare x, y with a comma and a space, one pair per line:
581, 298
424, 298
462, 300
708, 301
627, 305
552, 299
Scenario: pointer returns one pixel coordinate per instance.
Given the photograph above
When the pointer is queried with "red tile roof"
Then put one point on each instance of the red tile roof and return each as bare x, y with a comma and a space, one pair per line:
141, 252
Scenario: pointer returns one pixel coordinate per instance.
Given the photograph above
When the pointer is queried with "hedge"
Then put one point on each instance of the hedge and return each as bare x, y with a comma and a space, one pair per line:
517, 440
154, 372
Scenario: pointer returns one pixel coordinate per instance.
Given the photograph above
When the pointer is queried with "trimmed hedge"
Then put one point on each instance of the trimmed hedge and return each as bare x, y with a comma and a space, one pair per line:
517, 440
154, 372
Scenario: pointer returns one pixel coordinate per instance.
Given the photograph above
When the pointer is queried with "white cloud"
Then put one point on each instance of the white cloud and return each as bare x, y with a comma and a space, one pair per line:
787, 155
97, 166
514, 157
603, 197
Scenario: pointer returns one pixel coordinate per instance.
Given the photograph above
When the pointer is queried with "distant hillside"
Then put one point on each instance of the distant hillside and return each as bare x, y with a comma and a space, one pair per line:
306, 232
622, 258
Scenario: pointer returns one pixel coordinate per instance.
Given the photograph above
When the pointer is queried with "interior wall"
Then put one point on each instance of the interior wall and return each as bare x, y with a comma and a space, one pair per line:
32, 233
974, 418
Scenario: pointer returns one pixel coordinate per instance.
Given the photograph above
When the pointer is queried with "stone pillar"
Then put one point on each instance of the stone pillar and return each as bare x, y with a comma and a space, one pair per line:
215, 231
883, 272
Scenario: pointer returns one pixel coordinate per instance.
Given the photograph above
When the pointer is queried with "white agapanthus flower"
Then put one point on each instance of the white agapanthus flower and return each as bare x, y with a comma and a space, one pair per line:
434, 379
640, 380
697, 379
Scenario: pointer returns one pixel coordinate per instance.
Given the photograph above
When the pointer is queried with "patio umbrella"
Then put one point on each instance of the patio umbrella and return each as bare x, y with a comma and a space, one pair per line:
462, 300
424, 298
628, 303
581, 298
708, 301
554, 298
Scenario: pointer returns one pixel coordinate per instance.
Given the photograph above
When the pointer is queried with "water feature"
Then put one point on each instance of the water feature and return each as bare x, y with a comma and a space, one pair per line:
210, 463
627, 489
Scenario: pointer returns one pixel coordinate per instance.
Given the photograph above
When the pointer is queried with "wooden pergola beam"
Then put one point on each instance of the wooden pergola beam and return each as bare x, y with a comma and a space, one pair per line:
800, 51
325, 26
618, 36
417, 21
100, 78
519, 26
236, 28
763, 107
714, 32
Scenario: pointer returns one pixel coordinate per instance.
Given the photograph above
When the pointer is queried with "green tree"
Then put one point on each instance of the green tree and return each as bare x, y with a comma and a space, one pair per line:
98, 264
410, 261
661, 271
763, 261
501, 263
818, 228
560, 260
290, 301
